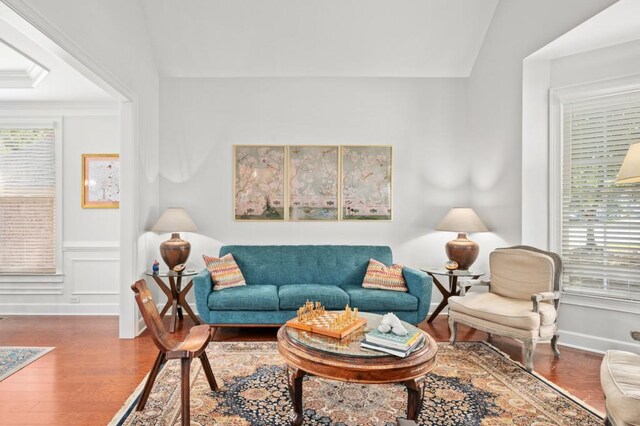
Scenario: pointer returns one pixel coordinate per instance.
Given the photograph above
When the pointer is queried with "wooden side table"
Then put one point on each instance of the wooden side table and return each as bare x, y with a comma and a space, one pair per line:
176, 295
453, 289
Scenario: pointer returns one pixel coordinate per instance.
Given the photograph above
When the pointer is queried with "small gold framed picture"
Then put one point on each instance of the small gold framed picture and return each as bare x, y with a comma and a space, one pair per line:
100, 181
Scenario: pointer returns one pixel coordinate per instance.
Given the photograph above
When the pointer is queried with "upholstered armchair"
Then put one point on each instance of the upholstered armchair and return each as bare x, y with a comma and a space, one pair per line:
620, 380
521, 302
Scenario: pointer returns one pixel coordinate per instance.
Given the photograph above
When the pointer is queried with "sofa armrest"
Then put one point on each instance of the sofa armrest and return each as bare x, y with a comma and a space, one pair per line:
420, 285
203, 287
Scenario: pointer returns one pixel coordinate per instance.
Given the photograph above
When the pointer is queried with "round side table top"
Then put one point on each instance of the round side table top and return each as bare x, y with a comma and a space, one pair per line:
171, 273
345, 360
454, 273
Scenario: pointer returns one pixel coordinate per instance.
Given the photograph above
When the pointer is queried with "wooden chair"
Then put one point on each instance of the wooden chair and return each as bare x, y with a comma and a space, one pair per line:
193, 346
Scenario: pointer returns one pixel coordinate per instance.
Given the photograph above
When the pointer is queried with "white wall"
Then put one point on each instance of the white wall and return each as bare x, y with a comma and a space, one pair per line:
519, 28
595, 65
510, 174
424, 120
589, 322
109, 38
90, 250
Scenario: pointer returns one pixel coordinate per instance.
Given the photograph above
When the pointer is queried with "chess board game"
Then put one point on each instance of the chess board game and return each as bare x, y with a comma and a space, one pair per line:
325, 324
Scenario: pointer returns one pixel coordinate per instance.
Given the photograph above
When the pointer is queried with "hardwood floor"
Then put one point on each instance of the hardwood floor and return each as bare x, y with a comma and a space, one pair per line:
91, 373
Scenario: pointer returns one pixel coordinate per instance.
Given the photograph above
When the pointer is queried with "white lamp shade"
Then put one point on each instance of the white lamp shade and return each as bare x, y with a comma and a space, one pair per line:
175, 219
630, 170
461, 219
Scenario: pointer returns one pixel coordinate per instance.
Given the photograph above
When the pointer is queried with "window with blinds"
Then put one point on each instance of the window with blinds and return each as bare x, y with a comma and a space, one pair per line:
600, 229
27, 201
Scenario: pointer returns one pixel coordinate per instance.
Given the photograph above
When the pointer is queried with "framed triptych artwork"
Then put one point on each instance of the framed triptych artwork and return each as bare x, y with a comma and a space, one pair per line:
312, 183
366, 182
259, 182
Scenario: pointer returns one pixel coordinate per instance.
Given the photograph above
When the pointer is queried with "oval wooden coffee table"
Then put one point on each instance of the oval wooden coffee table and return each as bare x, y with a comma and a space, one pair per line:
308, 353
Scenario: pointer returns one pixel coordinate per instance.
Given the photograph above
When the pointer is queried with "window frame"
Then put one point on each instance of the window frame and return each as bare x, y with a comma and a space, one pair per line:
56, 124
558, 97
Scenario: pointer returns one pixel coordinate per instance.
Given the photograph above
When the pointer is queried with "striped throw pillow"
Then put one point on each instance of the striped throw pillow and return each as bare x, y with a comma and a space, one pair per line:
384, 277
224, 271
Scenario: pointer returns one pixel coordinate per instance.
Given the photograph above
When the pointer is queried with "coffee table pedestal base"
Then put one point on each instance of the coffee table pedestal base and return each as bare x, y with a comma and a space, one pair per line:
415, 394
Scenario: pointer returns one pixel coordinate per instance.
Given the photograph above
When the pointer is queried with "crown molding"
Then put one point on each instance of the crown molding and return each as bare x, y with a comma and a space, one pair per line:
22, 79
28, 78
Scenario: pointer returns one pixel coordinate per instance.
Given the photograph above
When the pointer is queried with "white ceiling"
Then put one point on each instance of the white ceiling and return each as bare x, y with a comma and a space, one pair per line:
11, 59
21, 58
376, 38
617, 24
17, 70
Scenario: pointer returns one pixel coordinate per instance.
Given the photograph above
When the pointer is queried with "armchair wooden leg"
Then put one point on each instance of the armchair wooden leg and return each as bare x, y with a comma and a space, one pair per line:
186, 391
157, 366
554, 346
453, 327
529, 349
208, 372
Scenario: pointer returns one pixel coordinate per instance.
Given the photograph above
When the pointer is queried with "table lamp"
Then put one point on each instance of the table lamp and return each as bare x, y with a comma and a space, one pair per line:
630, 169
462, 250
175, 250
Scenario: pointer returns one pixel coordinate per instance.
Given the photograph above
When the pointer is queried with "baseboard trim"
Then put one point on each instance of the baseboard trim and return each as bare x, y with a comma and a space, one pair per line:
142, 326
595, 344
59, 309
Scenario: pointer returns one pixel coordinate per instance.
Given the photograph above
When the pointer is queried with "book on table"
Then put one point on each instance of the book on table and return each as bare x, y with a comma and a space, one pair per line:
397, 352
393, 341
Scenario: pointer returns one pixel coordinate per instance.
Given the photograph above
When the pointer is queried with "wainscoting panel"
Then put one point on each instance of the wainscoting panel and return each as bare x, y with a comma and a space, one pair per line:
94, 276
92, 272
87, 285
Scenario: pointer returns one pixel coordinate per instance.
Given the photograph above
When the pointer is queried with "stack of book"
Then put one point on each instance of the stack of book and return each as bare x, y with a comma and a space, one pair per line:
391, 343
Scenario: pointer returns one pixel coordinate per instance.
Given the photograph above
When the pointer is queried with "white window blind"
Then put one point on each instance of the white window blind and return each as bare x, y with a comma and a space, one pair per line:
27, 201
600, 230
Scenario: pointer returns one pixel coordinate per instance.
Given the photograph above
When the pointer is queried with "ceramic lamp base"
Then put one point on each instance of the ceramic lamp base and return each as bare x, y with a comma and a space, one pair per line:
175, 251
463, 251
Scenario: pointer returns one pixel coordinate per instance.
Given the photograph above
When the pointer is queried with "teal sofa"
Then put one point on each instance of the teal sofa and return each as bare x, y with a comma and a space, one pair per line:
280, 279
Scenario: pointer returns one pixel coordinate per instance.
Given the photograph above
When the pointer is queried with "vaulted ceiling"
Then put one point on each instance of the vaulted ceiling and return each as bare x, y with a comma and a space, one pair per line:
272, 38
370, 38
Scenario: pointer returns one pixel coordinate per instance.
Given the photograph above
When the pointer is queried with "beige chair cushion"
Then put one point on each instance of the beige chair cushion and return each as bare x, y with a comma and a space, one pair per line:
620, 380
519, 273
544, 333
512, 313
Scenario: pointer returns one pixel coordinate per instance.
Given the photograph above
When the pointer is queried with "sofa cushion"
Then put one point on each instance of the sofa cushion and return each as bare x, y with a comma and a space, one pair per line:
367, 300
503, 310
620, 380
295, 295
245, 298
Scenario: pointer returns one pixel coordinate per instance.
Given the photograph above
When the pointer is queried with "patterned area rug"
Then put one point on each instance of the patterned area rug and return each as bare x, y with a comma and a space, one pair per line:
472, 384
13, 359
